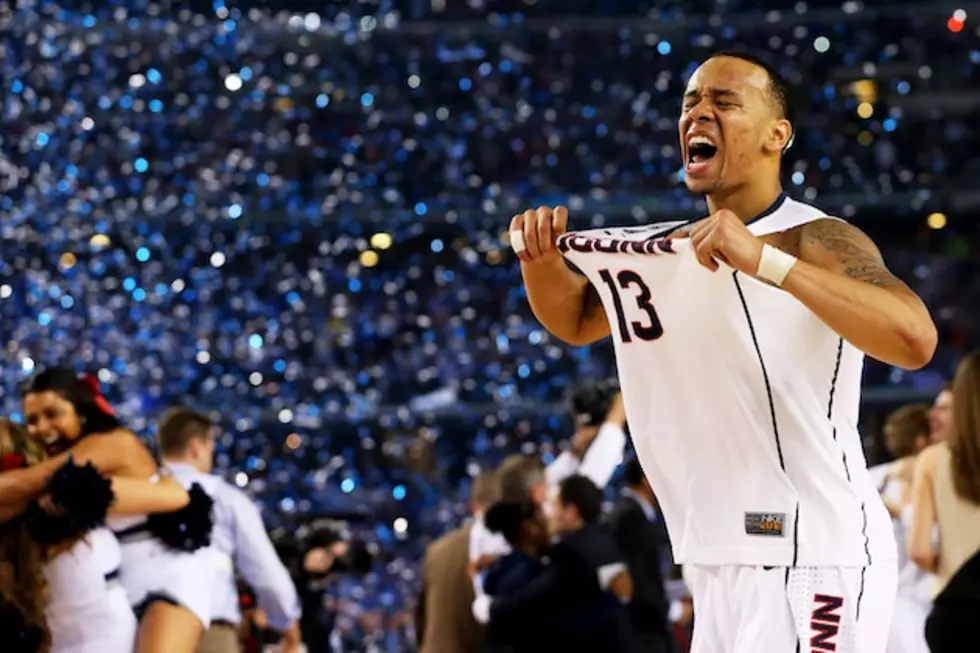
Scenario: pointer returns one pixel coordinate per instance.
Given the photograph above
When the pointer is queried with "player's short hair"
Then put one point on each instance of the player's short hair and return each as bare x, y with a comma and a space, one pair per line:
179, 427
780, 89
633, 474
904, 427
581, 492
485, 490
517, 475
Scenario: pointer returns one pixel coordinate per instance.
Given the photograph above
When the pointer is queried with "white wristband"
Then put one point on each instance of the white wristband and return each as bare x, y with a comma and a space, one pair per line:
774, 265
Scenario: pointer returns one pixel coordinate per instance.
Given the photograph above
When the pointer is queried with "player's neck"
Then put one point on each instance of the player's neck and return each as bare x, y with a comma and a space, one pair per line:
746, 203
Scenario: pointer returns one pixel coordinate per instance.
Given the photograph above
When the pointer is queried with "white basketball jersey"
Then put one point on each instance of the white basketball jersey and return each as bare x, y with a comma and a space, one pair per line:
742, 404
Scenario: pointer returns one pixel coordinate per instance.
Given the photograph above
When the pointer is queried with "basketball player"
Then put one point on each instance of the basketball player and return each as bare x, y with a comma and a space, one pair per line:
740, 341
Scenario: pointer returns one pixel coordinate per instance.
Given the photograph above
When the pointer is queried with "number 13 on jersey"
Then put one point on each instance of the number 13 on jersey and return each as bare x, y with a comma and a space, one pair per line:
637, 292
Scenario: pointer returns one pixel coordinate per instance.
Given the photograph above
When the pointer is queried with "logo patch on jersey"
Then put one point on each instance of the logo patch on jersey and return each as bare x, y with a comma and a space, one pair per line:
765, 523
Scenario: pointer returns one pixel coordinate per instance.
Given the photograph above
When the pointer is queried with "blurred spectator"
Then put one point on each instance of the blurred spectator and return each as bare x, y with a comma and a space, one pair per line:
595, 450
525, 529
522, 478
941, 415
485, 543
642, 537
906, 435
578, 600
946, 491
239, 540
444, 623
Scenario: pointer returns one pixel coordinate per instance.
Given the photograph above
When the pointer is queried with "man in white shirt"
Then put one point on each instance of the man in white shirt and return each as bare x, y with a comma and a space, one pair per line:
239, 539
483, 543
596, 448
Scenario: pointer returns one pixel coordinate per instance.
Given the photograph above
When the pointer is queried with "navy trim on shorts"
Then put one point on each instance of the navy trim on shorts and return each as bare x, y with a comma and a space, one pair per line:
857, 612
843, 454
765, 378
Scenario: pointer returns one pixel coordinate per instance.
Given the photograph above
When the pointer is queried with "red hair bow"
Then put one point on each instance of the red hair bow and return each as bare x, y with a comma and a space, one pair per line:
12, 461
91, 384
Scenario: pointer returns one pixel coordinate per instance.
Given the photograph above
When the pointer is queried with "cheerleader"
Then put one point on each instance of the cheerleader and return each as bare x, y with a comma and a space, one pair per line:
85, 608
166, 563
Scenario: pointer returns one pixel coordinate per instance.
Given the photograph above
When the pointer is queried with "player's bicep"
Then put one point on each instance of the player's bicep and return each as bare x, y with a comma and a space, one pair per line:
593, 324
835, 245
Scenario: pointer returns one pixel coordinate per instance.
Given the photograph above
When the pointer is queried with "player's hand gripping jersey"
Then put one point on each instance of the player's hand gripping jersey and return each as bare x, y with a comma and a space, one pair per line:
742, 404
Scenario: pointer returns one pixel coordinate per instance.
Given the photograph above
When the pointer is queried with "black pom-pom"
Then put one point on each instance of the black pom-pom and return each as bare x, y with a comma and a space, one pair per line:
189, 528
18, 636
81, 497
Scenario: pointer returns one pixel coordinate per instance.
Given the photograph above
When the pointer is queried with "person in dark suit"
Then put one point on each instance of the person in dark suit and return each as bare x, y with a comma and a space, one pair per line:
641, 536
576, 604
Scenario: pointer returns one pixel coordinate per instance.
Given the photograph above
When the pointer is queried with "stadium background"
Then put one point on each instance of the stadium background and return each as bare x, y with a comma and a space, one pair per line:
290, 213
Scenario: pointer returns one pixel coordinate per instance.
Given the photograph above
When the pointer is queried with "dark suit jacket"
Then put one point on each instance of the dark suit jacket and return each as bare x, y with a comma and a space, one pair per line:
644, 545
564, 608
444, 612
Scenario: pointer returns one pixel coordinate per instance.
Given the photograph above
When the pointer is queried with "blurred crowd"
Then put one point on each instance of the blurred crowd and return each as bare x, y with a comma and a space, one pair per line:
294, 219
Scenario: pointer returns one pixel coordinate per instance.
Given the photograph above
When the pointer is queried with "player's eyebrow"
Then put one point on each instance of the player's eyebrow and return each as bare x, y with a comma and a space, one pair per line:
714, 92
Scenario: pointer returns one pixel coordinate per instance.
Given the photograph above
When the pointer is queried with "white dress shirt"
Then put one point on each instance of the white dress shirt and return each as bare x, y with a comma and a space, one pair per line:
598, 464
240, 542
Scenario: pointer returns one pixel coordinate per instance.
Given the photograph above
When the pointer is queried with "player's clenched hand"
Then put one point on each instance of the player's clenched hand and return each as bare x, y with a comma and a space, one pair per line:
724, 237
534, 232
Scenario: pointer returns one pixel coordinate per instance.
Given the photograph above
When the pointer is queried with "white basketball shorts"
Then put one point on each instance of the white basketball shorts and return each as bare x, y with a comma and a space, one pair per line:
740, 609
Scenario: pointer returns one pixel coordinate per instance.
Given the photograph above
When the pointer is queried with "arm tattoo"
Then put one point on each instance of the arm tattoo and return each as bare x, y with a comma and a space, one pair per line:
854, 254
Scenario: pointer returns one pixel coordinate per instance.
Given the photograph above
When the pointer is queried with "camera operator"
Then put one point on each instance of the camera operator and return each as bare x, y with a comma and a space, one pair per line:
596, 448
321, 549
239, 539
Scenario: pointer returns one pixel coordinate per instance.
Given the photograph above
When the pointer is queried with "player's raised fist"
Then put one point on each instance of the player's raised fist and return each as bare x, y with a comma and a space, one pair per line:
534, 232
723, 237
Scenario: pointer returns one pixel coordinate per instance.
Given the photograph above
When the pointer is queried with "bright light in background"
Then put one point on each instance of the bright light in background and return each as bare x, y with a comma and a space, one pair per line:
241, 479
369, 258
957, 21
865, 110
67, 260
312, 22
381, 241
99, 240
936, 221
821, 44
233, 82
400, 525
217, 259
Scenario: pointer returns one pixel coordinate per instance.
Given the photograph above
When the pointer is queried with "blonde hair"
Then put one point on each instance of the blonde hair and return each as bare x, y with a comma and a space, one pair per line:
22, 560
964, 436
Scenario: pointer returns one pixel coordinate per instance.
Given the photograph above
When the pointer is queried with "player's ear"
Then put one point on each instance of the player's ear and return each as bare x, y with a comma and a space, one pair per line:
780, 136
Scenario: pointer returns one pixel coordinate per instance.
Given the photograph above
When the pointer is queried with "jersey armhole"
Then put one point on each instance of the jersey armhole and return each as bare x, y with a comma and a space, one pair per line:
574, 268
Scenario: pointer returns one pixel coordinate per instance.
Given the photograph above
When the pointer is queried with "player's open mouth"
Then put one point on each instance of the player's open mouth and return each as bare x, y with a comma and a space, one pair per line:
700, 151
